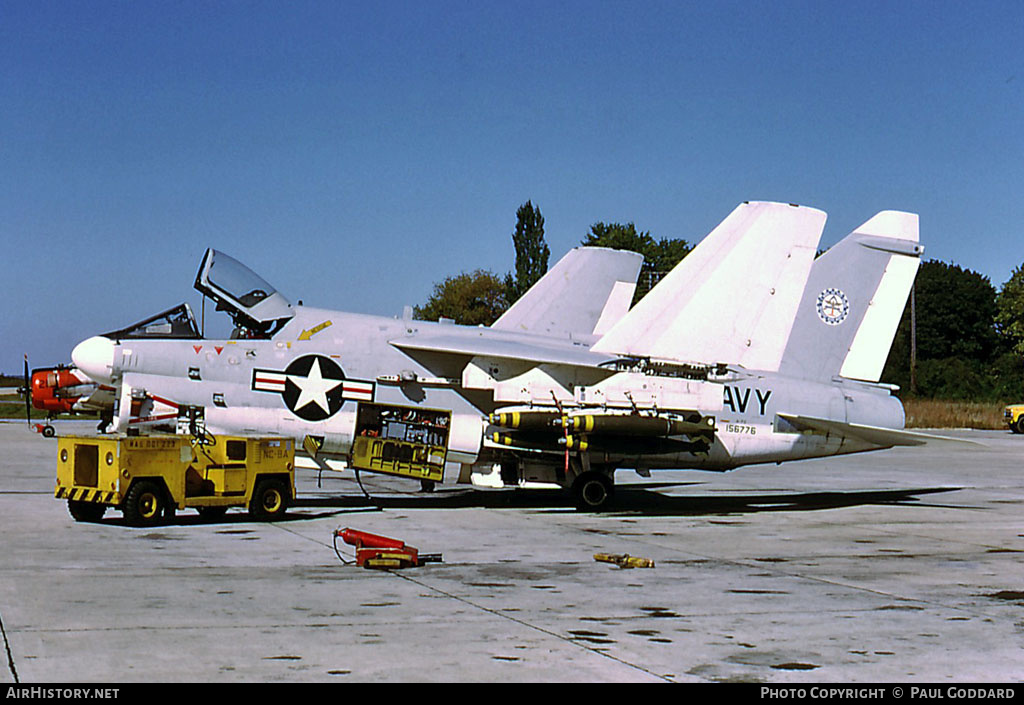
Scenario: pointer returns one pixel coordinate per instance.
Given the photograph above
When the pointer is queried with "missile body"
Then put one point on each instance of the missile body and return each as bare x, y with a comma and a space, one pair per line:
532, 441
629, 446
612, 434
525, 420
618, 424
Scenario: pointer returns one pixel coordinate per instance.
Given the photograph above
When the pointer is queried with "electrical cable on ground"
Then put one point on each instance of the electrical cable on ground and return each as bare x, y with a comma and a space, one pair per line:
338, 552
371, 499
10, 656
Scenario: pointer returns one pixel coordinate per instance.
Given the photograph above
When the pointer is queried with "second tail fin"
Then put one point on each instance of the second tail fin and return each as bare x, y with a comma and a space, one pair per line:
733, 298
853, 302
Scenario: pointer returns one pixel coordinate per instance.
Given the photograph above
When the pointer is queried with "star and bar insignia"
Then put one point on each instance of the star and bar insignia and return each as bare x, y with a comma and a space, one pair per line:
313, 387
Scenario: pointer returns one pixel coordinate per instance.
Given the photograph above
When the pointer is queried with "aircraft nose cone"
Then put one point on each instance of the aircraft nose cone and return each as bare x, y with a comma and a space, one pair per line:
95, 357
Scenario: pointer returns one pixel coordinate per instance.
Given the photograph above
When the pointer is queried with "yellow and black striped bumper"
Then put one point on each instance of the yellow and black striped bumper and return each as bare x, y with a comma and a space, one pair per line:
86, 494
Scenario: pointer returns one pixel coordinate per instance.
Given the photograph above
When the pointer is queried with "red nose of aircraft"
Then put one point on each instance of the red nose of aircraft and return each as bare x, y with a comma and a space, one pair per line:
95, 357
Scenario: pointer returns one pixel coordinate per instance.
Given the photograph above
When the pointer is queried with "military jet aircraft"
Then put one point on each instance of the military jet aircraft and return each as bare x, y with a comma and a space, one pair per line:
749, 351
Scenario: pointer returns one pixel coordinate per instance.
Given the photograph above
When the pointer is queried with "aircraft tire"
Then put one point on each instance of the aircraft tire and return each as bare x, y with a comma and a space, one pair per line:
145, 504
86, 511
593, 491
49, 431
269, 500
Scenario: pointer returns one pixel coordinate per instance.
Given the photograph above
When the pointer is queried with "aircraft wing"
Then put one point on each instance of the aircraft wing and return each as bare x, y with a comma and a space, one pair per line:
584, 294
875, 435
485, 343
734, 298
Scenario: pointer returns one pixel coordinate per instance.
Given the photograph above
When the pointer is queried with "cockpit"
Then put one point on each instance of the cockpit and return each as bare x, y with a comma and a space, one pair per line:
174, 323
257, 309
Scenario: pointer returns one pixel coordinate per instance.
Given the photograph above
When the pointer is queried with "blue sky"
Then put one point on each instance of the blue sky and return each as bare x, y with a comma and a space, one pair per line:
355, 153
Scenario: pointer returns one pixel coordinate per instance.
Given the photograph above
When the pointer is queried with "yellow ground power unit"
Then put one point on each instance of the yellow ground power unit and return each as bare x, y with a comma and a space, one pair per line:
149, 477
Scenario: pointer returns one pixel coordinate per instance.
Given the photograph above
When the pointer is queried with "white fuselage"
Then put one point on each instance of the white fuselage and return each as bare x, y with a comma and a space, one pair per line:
243, 386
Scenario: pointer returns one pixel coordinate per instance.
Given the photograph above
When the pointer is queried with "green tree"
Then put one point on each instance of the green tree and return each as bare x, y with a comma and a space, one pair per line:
532, 251
660, 256
471, 299
957, 342
666, 254
619, 237
1010, 312
955, 312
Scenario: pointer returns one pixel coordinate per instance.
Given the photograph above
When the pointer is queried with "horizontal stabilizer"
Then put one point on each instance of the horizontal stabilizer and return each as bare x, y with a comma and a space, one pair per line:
875, 435
584, 294
733, 299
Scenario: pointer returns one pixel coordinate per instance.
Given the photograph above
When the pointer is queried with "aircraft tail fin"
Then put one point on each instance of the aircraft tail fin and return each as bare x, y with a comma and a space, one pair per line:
853, 302
733, 298
584, 294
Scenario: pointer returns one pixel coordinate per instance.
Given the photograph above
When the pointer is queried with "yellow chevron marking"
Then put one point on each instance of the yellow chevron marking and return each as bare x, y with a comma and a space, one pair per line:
307, 334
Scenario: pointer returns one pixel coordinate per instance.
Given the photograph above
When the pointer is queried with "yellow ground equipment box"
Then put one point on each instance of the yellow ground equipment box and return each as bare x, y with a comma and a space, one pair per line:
401, 440
148, 477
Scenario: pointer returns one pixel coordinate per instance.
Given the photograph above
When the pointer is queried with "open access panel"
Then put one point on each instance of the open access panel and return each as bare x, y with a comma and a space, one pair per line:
401, 440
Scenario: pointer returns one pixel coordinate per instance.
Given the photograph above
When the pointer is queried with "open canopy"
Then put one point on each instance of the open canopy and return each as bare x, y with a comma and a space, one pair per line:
247, 297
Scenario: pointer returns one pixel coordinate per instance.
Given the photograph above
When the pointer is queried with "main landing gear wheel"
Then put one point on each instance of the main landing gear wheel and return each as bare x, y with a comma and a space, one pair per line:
593, 491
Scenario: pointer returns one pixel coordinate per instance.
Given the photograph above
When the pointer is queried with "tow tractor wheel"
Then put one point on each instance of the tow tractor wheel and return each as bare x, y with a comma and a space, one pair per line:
1019, 426
145, 504
212, 513
269, 500
86, 511
593, 491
